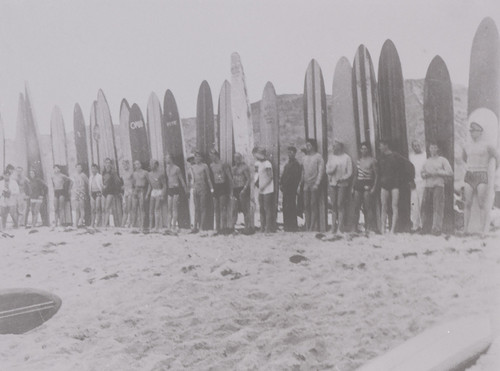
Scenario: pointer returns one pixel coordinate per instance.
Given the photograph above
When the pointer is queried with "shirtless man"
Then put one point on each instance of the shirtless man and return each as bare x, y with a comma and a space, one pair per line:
364, 187
223, 185
477, 156
175, 186
139, 188
417, 158
37, 193
23, 197
60, 195
128, 214
156, 191
111, 189
79, 191
202, 191
95, 192
241, 190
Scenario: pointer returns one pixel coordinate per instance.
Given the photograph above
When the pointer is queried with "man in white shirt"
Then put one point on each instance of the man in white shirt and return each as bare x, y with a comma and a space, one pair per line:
417, 158
265, 184
9, 192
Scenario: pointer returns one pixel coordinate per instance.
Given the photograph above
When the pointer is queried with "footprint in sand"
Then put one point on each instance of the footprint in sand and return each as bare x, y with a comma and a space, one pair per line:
297, 259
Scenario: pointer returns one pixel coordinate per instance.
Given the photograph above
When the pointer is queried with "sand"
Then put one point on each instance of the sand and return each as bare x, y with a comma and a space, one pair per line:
153, 302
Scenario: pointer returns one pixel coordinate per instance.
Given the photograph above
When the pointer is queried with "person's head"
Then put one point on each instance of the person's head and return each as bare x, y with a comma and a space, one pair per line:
137, 165
238, 158
190, 159
169, 161
259, 154
57, 169
79, 168
292, 152
338, 146
126, 164
416, 146
364, 149
6, 174
108, 164
94, 169
198, 159
19, 171
475, 130
32, 174
10, 168
433, 149
311, 146
155, 164
214, 155
384, 146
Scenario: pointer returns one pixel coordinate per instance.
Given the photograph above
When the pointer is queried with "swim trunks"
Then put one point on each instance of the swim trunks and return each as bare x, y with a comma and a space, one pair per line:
59, 193
96, 194
363, 185
139, 191
474, 178
156, 193
221, 189
174, 191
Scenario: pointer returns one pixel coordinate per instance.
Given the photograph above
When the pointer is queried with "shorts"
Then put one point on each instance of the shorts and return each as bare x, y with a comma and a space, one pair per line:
474, 178
139, 191
389, 184
236, 192
59, 193
36, 201
79, 196
174, 191
363, 185
96, 194
221, 189
156, 193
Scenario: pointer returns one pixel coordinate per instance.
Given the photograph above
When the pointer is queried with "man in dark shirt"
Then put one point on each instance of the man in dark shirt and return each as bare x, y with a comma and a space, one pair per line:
289, 183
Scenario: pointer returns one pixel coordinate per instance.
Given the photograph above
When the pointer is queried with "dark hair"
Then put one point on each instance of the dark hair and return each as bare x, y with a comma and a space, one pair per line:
292, 149
6, 172
79, 164
386, 142
156, 163
313, 143
95, 166
366, 144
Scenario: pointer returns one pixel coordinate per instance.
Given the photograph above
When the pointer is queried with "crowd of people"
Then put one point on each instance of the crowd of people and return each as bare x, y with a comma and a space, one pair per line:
151, 199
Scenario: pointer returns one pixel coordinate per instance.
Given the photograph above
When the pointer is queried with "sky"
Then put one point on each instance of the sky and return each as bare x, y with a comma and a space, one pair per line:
67, 50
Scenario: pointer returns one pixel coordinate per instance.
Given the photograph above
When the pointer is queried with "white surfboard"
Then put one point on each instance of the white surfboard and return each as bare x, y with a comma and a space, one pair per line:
154, 116
20, 152
451, 346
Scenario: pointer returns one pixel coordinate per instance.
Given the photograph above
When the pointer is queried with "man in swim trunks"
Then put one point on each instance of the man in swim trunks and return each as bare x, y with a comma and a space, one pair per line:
139, 188
339, 171
265, 184
203, 190
156, 191
364, 187
37, 193
435, 171
80, 191
23, 198
127, 178
223, 185
289, 184
175, 186
417, 158
313, 173
95, 192
9, 191
392, 170
59, 181
477, 156
241, 190
112, 186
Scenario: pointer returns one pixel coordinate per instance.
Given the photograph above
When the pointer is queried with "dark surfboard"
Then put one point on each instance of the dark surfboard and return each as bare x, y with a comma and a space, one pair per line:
205, 136
315, 119
173, 144
439, 123
139, 143
82, 152
393, 121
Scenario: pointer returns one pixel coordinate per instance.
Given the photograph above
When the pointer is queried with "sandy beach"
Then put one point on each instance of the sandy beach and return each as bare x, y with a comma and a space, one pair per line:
154, 302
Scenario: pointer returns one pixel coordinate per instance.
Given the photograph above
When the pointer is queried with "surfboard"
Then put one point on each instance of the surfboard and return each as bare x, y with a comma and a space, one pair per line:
22, 310
93, 137
315, 119
173, 144
343, 123
451, 346
439, 126
242, 124
269, 135
21, 153
35, 159
154, 127
107, 146
60, 158
2, 146
365, 105
123, 132
393, 120
205, 137
82, 152
483, 103
225, 137
139, 137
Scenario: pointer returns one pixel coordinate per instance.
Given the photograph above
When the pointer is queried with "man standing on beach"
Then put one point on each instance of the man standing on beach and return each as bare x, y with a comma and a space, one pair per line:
339, 171
23, 197
9, 191
112, 186
79, 193
156, 191
435, 171
223, 185
289, 185
265, 184
139, 188
417, 158
312, 175
175, 186
241, 190
203, 190
59, 182
127, 179
96, 187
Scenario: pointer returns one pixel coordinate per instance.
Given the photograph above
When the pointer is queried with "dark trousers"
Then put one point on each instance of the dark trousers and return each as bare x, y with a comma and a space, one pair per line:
267, 219
290, 211
432, 210
311, 208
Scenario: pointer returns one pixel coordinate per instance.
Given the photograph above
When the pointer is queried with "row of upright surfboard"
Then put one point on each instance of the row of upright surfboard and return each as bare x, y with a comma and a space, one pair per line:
363, 109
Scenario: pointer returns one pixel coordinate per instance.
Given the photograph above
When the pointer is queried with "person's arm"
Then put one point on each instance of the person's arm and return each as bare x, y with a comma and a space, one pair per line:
269, 172
423, 172
321, 172
464, 155
248, 175
206, 171
494, 153
330, 166
227, 170
446, 171
349, 172
181, 181
376, 180
150, 187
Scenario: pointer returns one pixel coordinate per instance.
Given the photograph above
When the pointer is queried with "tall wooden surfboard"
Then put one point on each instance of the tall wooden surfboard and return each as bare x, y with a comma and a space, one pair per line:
484, 102
82, 152
60, 158
269, 134
154, 127
173, 144
34, 153
343, 122
242, 123
439, 124
205, 136
315, 118
2, 146
123, 132
393, 120
93, 136
139, 137
365, 104
21, 153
